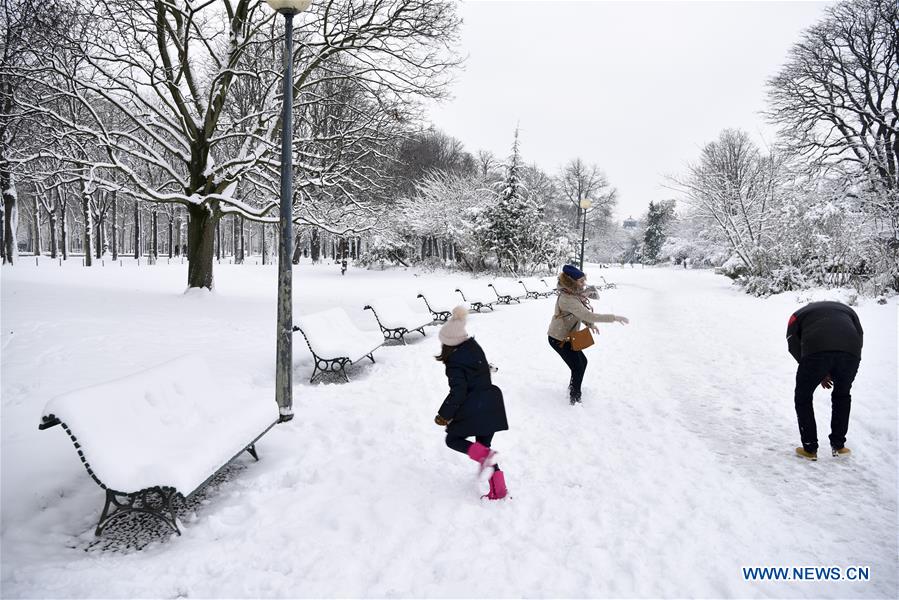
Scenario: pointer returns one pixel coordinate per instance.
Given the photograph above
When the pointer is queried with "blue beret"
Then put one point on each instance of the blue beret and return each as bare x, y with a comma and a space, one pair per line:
572, 271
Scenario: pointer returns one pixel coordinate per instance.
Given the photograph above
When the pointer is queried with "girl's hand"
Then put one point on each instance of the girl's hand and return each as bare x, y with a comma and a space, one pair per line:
441, 421
594, 329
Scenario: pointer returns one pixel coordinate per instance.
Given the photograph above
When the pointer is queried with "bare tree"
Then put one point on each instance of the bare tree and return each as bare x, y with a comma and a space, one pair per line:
733, 189
836, 97
164, 73
579, 180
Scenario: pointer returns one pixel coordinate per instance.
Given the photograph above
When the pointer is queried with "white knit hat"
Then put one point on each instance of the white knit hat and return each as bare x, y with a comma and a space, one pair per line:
453, 332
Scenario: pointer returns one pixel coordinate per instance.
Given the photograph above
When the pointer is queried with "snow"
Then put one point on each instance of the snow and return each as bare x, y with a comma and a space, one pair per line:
510, 288
174, 422
442, 300
479, 295
677, 471
332, 335
394, 312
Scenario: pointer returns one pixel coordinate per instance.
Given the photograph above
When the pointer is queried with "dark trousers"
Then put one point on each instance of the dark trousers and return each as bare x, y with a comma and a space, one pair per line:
460, 444
842, 368
576, 361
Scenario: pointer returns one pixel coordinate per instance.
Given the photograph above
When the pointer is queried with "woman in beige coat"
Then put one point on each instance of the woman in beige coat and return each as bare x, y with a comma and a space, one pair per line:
572, 309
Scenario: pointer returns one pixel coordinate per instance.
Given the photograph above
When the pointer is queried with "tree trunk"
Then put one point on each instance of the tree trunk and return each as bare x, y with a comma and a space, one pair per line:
172, 231
10, 214
178, 236
297, 249
155, 244
64, 233
54, 246
237, 235
99, 240
115, 226
88, 217
264, 246
218, 240
36, 221
136, 229
241, 238
200, 246
315, 245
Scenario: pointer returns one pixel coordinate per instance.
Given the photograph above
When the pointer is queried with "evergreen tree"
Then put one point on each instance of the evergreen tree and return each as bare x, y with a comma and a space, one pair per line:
512, 224
657, 219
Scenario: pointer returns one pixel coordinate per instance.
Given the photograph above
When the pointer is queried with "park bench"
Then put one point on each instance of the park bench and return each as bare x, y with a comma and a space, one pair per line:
606, 285
532, 288
335, 342
396, 318
504, 294
153, 437
476, 301
440, 305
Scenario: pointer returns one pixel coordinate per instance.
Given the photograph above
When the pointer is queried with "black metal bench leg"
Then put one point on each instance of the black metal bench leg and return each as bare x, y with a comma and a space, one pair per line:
422, 331
315, 370
103, 515
141, 502
252, 450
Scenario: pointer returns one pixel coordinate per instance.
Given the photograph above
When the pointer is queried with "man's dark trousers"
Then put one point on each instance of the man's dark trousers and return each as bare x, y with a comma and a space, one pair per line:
842, 367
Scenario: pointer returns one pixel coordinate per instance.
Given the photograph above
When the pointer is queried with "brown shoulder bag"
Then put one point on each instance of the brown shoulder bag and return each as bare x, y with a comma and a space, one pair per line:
581, 339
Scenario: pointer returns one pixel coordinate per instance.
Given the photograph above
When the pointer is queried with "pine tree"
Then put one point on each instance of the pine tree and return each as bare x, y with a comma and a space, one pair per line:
657, 219
513, 223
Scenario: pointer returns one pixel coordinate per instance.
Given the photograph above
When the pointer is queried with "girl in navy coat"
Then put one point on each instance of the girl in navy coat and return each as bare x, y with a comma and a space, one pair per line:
474, 406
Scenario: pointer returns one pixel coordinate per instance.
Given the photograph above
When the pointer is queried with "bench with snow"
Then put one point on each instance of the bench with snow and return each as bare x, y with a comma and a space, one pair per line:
504, 293
440, 305
157, 435
534, 288
606, 285
476, 301
396, 318
335, 342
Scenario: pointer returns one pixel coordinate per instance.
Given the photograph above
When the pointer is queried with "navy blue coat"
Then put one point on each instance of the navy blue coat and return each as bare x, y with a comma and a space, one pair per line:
474, 404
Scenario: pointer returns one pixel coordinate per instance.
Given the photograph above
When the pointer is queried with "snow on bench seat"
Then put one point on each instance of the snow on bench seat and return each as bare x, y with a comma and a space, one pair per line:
477, 299
335, 342
173, 425
535, 288
441, 304
396, 318
505, 292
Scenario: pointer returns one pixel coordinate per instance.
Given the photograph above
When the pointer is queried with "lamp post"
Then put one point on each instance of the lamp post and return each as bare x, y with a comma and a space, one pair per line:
585, 206
284, 329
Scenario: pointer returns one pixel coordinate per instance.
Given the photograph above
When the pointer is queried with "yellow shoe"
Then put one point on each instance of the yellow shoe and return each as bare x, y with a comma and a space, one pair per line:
844, 451
806, 455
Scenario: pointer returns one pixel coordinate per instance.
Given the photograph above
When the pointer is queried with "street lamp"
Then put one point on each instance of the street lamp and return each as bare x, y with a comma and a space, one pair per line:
284, 329
585, 206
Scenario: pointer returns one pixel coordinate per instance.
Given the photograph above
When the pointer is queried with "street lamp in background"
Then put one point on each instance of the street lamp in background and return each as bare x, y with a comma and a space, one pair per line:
585, 206
284, 331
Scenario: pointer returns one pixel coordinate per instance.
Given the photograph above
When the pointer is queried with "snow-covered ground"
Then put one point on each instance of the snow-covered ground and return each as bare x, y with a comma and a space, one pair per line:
676, 471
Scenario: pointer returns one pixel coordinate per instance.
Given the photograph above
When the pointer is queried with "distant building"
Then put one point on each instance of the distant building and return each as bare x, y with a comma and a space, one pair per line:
630, 223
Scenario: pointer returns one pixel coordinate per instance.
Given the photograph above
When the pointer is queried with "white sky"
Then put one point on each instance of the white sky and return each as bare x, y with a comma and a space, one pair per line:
635, 87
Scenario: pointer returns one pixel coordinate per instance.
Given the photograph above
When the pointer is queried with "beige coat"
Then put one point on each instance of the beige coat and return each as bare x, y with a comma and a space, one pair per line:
569, 315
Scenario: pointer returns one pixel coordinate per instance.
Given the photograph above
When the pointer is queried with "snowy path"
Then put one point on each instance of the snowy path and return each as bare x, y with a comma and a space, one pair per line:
674, 473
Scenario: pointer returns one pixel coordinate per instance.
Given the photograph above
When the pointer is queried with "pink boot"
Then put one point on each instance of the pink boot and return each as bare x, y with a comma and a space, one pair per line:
481, 454
498, 489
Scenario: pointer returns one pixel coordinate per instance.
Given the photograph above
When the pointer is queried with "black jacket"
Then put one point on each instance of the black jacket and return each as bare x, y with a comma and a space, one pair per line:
824, 327
474, 404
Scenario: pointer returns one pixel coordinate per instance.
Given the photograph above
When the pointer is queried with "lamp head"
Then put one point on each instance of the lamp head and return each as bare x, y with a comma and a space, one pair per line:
289, 6
586, 203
